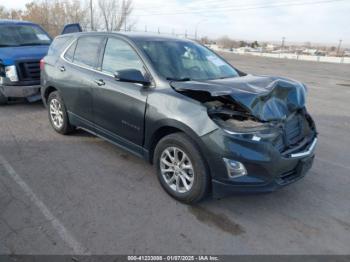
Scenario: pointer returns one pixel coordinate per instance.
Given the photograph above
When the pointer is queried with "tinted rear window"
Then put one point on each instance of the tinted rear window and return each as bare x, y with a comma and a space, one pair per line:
88, 50
69, 55
58, 45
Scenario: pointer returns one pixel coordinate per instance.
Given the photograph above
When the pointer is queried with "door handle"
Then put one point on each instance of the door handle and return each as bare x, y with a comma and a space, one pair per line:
62, 68
99, 82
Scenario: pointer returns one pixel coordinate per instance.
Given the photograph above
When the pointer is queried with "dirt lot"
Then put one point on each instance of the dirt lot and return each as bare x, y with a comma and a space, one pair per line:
79, 194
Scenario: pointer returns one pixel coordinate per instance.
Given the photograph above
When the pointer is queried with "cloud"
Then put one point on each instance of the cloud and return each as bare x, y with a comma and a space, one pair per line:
318, 22
322, 22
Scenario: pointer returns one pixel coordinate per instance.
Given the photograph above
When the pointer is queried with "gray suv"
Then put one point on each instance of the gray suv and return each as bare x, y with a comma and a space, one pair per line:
206, 126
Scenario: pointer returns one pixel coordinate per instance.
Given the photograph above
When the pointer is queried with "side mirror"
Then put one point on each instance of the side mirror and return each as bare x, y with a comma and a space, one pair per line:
132, 76
71, 28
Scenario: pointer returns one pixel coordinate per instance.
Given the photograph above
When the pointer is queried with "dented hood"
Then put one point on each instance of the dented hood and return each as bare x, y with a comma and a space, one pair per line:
265, 97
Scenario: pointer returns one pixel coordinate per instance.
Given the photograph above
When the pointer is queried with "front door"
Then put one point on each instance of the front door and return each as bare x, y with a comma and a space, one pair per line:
119, 107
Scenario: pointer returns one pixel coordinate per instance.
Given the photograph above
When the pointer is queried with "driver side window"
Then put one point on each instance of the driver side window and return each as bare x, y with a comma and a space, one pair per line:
119, 55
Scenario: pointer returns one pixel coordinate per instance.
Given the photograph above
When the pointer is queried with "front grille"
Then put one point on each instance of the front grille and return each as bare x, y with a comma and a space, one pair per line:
293, 130
279, 143
29, 70
292, 133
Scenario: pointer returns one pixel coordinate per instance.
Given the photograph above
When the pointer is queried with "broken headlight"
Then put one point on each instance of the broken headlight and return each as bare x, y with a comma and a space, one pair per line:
250, 129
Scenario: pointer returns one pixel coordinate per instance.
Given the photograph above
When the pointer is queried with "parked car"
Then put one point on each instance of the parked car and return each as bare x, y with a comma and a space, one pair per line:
22, 45
205, 125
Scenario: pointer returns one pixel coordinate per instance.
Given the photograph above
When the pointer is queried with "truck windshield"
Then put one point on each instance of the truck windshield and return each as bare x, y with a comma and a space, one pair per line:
184, 60
22, 35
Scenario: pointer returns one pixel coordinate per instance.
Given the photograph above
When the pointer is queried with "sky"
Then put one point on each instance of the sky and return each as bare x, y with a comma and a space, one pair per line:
315, 21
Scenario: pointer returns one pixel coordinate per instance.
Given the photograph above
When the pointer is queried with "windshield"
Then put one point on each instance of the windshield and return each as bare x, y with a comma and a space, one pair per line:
183, 60
22, 35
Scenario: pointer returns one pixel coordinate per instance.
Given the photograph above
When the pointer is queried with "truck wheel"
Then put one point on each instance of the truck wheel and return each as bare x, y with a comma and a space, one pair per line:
181, 169
58, 114
3, 99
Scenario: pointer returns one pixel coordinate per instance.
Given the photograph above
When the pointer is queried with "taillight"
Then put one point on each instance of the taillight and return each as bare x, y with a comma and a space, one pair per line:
42, 64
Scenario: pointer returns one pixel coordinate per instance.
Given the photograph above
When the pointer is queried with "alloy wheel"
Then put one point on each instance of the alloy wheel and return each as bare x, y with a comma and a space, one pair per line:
176, 169
56, 113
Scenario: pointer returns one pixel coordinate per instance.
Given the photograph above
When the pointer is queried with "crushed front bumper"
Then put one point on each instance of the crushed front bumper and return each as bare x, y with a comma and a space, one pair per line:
267, 169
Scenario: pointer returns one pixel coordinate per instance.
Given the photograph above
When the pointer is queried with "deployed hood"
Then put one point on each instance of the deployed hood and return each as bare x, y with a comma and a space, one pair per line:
265, 97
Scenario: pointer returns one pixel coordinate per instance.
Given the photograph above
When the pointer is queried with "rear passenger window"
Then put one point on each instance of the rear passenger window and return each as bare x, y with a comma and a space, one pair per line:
58, 45
119, 55
69, 55
87, 51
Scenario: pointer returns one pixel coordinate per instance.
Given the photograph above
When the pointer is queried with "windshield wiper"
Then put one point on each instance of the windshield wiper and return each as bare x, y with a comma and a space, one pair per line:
8, 45
185, 79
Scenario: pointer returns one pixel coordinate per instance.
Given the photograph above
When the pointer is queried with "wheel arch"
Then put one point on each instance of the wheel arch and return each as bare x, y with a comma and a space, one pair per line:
46, 92
167, 127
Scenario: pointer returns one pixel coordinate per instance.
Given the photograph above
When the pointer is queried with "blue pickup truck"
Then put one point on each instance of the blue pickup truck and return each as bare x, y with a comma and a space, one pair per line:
22, 46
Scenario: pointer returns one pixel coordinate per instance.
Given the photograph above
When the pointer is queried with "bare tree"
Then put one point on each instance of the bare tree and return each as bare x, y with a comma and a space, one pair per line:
115, 14
3, 13
54, 14
16, 14
111, 15
205, 40
10, 14
226, 42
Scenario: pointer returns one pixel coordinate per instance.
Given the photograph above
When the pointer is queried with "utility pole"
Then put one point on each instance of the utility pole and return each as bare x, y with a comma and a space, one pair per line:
158, 31
145, 28
282, 47
186, 33
91, 16
339, 45
124, 17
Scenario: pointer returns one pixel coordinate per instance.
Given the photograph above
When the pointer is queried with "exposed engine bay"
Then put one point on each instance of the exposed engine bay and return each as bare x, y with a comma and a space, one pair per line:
275, 112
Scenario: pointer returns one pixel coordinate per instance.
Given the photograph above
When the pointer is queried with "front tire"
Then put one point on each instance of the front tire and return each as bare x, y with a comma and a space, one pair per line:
58, 114
181, 169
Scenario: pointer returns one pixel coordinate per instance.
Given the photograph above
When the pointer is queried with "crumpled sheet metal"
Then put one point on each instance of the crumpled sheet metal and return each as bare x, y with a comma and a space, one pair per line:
266, 97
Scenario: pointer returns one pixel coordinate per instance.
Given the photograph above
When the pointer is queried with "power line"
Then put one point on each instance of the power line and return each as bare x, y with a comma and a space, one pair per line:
222, 6
245, 8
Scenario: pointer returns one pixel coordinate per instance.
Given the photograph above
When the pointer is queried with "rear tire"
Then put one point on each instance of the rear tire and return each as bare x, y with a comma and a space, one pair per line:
178, 162
58, 114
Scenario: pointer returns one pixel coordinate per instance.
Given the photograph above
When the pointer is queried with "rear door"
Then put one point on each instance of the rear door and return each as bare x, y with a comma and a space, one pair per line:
77, 72
119, 107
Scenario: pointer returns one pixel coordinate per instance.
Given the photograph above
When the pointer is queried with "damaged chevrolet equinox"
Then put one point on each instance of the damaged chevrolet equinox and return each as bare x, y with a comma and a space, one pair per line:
205, 125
